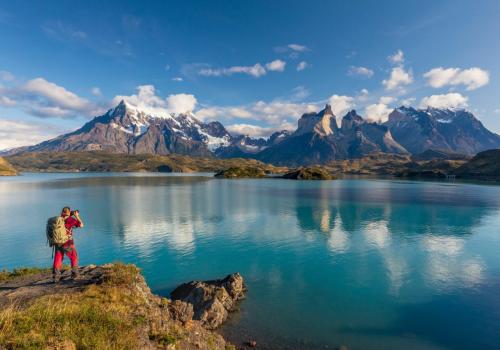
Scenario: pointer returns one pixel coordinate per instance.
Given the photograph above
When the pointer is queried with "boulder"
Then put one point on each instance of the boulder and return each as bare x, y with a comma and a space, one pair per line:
212, 300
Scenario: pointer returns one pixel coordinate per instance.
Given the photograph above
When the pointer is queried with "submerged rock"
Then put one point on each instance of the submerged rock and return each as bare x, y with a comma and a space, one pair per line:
212, 300
309, 173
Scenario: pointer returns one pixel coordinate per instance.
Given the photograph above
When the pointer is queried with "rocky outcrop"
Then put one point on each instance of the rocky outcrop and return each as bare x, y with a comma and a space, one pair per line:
6, 169
111, 306
212, 301
309, 173
241, 172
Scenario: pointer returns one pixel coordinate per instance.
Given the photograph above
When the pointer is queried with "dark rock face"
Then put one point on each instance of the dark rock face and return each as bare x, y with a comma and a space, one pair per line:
318, 140
485, 165
444, 129
310, 173
212, 300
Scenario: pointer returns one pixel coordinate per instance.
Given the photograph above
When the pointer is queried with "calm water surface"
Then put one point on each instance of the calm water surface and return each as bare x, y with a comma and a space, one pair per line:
369, 264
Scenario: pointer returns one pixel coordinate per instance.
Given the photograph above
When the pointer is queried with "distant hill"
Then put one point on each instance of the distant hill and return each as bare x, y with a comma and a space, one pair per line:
485, 165
98, 161
6, 169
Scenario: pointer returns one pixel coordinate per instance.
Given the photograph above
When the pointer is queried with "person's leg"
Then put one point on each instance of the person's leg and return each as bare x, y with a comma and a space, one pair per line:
72, 254
56, 267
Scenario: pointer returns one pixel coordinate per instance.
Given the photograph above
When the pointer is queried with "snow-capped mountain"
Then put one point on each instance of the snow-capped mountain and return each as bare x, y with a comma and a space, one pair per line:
318, 138
454, 130
125, 129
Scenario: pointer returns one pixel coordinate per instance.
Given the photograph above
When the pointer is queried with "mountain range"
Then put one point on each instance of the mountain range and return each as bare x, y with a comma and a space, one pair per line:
318, 138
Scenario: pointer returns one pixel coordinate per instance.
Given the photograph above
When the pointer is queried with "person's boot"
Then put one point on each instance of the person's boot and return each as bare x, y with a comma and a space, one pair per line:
56, 275
75, 272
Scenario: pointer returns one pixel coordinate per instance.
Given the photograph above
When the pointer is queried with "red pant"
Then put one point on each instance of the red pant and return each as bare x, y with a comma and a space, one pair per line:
69, 249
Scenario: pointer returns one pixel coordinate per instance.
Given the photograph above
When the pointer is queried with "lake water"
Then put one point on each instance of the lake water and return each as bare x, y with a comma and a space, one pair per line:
372, 264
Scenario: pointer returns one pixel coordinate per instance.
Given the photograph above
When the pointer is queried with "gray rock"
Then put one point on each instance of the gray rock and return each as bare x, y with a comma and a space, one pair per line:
212, 300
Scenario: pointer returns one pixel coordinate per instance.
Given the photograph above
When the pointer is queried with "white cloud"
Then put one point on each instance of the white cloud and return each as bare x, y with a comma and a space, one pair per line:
378, 112
276, 66
473, 78
299, 93
146, 100
177, 79
451, 100
16, 134
45, 99
497, 111
397, 58
302, 65
6, 76
249, 129
398, 78
56, 94
167, 67
341, 104
6, 101
181, 103
387, 100
297, 47
360, 71
96, 91
257, 70
408, 101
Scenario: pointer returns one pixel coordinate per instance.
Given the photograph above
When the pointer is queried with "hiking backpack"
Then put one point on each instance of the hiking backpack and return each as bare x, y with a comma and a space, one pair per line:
56, 231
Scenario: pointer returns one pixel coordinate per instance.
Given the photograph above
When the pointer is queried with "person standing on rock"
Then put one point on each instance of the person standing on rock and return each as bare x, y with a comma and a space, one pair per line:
71, 219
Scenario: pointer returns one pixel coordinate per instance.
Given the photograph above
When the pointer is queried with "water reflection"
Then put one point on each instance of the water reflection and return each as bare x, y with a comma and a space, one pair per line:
354, 250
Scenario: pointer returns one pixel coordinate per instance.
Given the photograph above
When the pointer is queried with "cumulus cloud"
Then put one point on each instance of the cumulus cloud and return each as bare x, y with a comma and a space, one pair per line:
148, 101
398, 79
249, 129
276, 66
473, 78
42, 98
341, 104
302, 65
451, 100
397, 58
16, 133
362, 72
377, 112
55, 94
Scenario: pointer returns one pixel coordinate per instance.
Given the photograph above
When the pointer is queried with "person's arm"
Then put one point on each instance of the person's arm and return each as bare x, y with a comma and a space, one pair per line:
77, 217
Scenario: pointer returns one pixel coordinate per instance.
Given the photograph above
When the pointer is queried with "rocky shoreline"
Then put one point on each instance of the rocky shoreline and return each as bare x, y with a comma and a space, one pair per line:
111, 306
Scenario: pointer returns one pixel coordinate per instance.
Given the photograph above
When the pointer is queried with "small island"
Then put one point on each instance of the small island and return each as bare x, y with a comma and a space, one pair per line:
309, 173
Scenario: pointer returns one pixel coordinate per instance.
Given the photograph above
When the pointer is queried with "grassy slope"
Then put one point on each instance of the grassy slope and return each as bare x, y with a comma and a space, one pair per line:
118, 312
103, 162
6, 169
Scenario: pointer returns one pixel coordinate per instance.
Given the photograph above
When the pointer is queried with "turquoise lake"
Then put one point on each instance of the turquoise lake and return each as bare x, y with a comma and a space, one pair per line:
371, 264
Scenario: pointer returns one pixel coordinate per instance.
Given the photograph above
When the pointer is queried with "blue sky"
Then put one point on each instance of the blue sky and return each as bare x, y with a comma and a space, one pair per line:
254, 65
